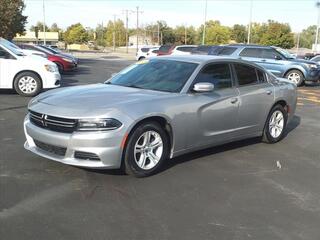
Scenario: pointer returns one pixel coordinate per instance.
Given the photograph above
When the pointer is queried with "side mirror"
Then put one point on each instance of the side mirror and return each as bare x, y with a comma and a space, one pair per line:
276, 57
203, 87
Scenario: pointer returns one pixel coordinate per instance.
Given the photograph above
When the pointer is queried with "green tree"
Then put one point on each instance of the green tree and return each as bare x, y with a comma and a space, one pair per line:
100, 33
76, 33
257, 30
118, 30
11, 19
239, 33
215, 33
185, 34
278, 34
307, 37
39, 25
54, 28
166, 33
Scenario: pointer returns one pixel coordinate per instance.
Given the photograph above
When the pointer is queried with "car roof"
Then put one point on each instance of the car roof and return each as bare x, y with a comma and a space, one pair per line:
248, 46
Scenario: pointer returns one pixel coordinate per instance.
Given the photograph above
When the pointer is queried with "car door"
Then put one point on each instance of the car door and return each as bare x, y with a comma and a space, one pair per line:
6, 65
215, 112
256, 98
274, 62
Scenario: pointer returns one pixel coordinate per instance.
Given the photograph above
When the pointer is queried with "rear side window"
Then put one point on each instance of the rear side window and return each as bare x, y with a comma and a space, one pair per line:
226, 51
3, 53
145, 50
165, 48
185, 49
251, 52
217, 74
246, 74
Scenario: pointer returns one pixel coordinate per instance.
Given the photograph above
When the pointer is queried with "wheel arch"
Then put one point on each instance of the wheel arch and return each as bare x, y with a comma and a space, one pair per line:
24, 71
296, 69
161, 120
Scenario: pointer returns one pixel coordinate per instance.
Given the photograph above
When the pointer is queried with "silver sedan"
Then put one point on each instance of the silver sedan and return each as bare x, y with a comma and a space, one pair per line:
157, 109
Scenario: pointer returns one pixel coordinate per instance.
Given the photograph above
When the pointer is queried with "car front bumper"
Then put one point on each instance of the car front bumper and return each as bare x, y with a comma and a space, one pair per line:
51, 80
104, 145
313, 75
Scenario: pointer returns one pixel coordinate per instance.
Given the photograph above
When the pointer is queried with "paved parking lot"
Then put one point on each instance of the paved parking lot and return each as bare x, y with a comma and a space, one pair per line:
235, 191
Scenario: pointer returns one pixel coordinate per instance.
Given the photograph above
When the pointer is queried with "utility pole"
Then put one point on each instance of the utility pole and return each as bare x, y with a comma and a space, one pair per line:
127, 22
137, 35
250, 22
204, 24
158, 34
114, 32
44, 23
318, 25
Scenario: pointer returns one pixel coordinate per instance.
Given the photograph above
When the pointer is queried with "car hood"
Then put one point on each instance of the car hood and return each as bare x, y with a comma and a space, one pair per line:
95, 99
302, 61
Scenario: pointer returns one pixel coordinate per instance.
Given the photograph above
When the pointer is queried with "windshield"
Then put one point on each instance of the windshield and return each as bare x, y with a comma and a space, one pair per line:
12, 47
285, 53
155, 74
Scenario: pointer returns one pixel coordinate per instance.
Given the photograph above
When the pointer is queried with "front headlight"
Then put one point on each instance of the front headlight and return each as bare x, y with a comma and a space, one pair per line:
68, 60
98, 124
312, 65
51, 68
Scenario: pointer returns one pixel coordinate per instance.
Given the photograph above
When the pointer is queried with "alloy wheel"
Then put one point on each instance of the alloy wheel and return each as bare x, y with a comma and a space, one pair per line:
276, 124
148, 150
27, 84
294, 77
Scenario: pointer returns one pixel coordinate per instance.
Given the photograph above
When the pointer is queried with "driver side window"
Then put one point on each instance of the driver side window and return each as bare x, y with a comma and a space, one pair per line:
217, 74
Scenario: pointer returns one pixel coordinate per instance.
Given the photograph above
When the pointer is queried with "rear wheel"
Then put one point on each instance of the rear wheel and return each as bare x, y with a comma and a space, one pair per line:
141, 58
27, 84
275, 125
147, 150
296, 77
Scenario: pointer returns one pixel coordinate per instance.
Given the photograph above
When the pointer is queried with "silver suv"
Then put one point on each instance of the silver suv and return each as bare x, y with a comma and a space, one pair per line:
278, 61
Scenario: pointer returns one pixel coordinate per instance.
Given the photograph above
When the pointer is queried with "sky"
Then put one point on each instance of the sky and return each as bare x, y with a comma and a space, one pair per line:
298, 13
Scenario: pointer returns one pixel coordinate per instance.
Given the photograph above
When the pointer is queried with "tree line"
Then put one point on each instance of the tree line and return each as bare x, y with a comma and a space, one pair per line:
271, 32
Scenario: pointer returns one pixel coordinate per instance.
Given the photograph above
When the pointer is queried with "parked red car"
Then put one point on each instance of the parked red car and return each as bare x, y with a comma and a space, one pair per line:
64, 63
165, 50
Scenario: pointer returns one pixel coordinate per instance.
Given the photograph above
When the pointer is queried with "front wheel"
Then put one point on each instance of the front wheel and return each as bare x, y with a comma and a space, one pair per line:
296, 77
147, 150
275, 125
27, 84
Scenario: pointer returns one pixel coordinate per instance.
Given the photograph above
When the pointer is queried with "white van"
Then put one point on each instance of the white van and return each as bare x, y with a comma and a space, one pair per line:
28, 75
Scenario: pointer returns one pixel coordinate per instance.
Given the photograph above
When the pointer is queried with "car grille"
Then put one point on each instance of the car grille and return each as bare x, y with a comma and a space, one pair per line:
52, 123
60, 151
86, 156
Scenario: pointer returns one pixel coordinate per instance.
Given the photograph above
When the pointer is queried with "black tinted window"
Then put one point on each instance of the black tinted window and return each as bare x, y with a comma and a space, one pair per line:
270, 54
217, 74
165, 48
226, 51
185, 49
246, 74
261, 76
251, 52
3, 53
145, 49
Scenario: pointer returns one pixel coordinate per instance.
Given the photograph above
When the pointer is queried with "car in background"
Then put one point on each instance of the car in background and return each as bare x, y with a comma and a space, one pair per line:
59, 52
64, 63
25, 51
156, 110
278, 61
146, 52
26, 74
203, 49
176, 50
316, 59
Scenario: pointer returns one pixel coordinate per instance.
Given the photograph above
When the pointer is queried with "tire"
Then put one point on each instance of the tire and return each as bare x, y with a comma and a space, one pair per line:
60, 67
141, 58
271, 133
138, 152
296, 77
27, 84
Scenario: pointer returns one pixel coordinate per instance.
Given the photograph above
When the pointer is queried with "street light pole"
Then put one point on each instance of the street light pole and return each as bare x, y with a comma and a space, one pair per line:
127, 20
137, 29
204, 24
44, 23
250, 22
114, 32
318, 26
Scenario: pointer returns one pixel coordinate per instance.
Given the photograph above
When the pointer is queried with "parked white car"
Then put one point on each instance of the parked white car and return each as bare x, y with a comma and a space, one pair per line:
146, 52
25, 51
183, 49
27, 74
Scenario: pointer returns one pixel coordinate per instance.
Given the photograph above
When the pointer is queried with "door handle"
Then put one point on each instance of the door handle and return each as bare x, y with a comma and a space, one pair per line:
269, 92
234, 100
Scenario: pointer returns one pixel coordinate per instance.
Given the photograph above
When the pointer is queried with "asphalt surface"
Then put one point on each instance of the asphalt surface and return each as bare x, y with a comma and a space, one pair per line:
235, 191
